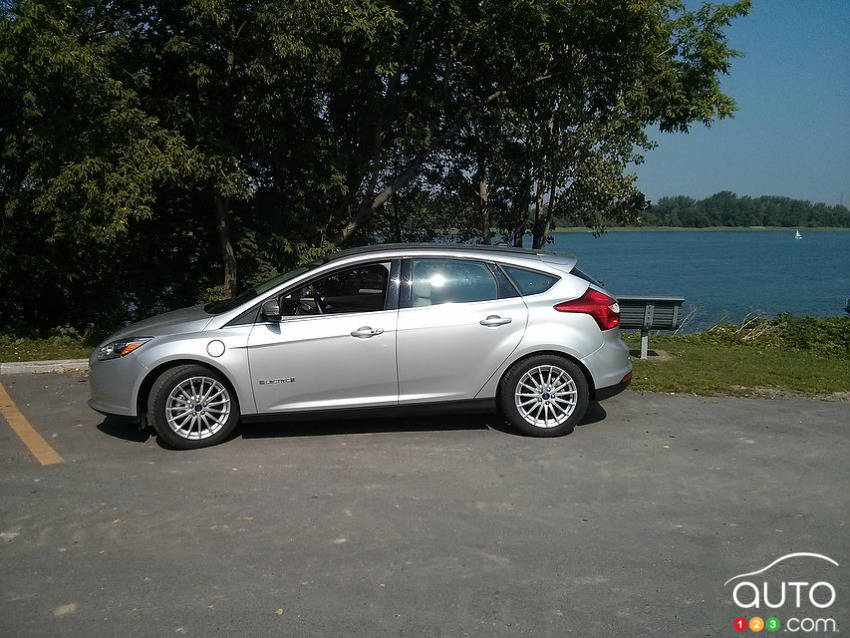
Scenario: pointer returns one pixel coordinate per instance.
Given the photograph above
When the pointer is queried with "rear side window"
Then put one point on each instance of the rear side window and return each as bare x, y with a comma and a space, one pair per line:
530, 282
439, 281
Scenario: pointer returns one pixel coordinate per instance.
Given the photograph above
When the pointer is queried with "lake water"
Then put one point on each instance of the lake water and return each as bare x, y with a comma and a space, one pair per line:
724, 275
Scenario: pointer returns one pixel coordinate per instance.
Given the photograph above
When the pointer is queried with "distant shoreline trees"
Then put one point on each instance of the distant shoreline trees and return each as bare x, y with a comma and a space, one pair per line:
728, 209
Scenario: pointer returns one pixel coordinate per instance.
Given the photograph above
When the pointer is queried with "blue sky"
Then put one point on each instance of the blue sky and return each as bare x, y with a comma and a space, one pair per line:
791, 135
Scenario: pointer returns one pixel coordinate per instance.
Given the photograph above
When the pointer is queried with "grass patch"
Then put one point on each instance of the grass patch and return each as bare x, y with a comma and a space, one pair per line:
762, 357
57, 347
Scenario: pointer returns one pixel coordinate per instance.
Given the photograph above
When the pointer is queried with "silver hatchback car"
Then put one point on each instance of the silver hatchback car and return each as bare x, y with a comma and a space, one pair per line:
389, 327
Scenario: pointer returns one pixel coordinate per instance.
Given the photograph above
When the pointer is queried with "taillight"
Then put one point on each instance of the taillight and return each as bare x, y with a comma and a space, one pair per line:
598, 305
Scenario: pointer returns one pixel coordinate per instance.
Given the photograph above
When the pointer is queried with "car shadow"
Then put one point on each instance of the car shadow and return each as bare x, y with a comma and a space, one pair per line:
375, 425
595, 413
129, 431
388, 424
125, 429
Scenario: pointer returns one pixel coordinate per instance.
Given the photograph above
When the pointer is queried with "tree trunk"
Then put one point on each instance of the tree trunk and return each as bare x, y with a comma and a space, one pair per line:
538, 239
480, 178
396, 220
537, 227
519, 234
522, 206
538, 236
544, 223
543, 213
370, 206
228, 258
547, 218
484, 210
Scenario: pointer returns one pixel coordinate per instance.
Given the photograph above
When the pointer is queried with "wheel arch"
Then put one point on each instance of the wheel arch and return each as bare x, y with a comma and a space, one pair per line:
555, 353
154, 373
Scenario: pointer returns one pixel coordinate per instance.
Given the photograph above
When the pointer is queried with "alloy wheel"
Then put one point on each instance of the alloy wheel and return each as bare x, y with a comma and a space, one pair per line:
197, 408
546, 396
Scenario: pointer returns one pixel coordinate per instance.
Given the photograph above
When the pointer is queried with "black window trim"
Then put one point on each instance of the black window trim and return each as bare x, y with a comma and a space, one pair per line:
252, 315
500, 276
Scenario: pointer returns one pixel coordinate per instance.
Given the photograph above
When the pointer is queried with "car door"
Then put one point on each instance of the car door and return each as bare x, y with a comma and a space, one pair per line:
459, 320
334, 347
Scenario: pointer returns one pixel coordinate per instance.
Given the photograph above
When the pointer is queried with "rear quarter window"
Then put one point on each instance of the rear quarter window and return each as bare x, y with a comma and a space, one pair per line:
530, 282
588, 278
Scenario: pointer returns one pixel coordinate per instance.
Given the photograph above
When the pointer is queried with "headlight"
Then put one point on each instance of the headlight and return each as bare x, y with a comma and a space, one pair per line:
120, 348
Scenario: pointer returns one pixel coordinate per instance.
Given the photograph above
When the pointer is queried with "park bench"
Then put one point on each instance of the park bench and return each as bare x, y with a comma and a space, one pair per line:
649, 313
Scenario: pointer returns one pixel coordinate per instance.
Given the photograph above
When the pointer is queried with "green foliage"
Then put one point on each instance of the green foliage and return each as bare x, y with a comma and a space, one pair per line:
727, 209
826, 337
64, 343
153, 151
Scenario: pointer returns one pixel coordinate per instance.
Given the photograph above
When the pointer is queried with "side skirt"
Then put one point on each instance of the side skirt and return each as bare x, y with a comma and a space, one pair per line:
467, 406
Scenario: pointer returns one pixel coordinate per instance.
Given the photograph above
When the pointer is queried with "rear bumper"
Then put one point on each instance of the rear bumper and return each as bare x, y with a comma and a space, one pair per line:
606, 393
609, 365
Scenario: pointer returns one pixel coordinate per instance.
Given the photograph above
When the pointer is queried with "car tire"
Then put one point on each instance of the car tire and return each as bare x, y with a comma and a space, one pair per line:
192, 406
544, 395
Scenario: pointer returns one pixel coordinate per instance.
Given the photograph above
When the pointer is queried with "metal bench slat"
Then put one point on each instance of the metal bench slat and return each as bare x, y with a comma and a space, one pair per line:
665, 314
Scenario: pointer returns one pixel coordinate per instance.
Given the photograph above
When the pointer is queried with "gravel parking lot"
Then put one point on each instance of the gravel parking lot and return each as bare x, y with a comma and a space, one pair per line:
422, 527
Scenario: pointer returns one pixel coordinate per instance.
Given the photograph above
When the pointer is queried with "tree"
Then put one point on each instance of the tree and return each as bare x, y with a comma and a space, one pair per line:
80, 163
570, 90
151, 150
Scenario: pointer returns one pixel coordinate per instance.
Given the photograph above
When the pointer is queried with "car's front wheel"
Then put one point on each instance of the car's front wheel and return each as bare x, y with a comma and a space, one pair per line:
544, 395
191, 406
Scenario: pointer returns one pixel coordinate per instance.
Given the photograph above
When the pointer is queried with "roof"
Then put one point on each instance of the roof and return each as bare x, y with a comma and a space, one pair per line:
440, 247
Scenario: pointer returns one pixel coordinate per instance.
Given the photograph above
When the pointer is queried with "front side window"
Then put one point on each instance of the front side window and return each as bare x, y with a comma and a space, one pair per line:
530, 282
440, 281
356, 289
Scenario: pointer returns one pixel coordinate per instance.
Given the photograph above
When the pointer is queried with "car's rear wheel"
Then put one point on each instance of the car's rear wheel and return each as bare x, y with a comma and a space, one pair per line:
544, 395
191, 406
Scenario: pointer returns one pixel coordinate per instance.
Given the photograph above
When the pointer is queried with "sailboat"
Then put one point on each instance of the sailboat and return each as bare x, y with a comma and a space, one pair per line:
797, 234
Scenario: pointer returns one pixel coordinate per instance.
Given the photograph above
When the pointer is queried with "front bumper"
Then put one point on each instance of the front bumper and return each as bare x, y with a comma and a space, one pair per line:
113, 384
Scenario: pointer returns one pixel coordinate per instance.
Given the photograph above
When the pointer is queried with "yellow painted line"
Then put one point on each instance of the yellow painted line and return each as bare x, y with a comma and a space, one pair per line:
36, 444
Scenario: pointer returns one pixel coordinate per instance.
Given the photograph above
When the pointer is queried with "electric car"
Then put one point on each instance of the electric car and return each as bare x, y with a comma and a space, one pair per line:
385, 328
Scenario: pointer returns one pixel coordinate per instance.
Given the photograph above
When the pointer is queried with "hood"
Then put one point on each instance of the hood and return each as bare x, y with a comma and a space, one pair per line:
190, 319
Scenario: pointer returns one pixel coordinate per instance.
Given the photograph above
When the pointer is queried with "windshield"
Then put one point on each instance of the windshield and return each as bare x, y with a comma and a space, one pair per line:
224, 305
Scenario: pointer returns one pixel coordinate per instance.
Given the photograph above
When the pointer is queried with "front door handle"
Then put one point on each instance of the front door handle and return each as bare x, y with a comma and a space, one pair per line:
365, 332
495, 320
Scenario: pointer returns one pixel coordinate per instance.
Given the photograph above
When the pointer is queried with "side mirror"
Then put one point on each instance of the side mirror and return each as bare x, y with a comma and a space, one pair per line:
270, 310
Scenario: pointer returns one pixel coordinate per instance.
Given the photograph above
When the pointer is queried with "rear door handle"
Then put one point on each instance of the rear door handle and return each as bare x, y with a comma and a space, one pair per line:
365, 332
495, 320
